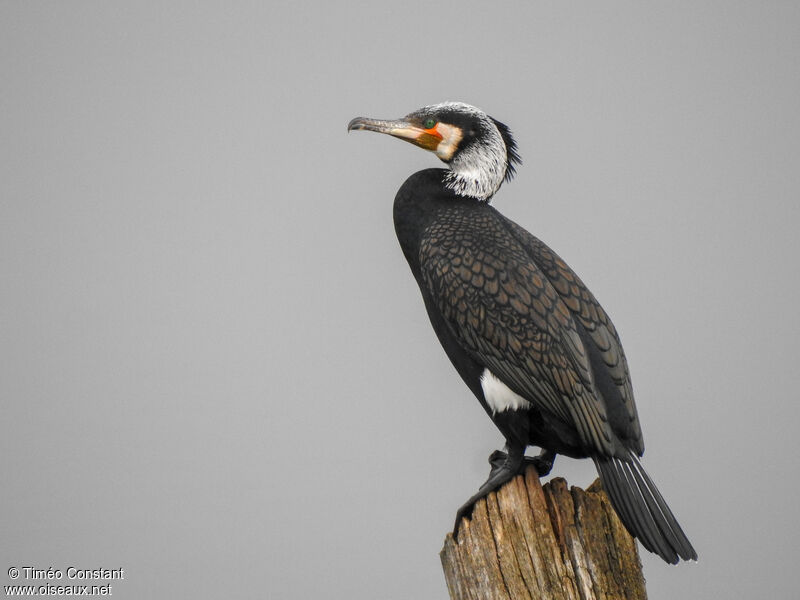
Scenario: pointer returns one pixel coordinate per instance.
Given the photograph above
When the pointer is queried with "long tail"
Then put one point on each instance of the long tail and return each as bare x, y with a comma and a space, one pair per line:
642, 508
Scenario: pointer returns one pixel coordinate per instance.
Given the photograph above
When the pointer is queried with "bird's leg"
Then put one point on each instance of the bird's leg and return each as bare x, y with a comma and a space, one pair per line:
503, 469
542, 463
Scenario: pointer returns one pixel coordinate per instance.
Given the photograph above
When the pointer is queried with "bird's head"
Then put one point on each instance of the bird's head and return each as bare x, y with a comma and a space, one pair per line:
479, 150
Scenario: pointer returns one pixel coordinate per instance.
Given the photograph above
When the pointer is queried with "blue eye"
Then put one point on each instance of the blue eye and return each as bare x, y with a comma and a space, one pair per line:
429, 123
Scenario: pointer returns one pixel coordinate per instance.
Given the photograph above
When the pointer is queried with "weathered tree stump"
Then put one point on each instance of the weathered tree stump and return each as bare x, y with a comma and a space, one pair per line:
530, 542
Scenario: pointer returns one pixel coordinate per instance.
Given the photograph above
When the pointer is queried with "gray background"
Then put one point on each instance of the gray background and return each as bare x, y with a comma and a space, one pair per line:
216, 369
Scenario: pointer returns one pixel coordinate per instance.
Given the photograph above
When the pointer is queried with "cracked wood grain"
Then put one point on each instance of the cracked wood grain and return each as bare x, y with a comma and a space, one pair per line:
528, 542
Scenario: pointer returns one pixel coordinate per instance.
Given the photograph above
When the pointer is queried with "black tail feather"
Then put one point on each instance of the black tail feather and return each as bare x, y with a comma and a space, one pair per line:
642, 508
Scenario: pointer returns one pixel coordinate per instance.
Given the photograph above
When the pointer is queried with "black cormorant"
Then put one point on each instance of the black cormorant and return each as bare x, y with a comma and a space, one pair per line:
525, 334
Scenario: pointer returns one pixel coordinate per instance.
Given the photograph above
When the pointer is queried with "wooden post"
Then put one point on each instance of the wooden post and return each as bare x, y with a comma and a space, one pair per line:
528, 542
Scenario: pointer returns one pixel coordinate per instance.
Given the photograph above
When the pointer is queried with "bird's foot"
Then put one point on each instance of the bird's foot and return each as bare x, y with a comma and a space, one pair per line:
542, 463
504, 468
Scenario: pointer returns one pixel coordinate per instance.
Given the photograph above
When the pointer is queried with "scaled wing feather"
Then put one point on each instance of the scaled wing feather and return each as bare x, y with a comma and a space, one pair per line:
504, 311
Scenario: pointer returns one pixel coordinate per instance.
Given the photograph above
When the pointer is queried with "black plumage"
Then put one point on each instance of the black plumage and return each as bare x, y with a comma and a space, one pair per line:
523, 331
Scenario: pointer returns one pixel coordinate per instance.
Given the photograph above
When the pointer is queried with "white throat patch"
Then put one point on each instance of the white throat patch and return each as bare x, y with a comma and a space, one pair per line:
479, 169
451, 137
499, 396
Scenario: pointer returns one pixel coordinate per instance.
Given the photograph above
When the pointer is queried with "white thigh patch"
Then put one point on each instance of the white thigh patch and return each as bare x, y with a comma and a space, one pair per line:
499, 396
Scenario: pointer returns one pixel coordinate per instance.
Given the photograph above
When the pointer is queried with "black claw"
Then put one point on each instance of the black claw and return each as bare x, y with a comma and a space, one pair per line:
465, 512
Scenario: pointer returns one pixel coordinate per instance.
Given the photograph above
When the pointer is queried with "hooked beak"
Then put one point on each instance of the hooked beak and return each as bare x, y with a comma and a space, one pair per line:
424, 138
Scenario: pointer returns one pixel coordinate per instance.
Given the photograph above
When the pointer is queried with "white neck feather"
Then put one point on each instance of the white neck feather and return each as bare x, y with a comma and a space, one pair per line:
479, 170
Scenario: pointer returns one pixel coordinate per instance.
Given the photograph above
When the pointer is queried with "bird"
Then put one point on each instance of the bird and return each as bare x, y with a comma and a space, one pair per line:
525, 334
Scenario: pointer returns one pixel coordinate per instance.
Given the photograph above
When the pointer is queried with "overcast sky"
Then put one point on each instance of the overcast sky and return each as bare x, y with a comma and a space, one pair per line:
216, 371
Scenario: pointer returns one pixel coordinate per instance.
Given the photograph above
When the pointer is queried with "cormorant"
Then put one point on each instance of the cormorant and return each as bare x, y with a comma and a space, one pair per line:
523, 331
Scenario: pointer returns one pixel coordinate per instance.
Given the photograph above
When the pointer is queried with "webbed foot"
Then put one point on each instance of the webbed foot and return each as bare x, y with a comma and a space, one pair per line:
504, 468
542, 463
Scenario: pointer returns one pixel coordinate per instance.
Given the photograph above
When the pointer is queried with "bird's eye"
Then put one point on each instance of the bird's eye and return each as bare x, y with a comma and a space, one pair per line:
429, 123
